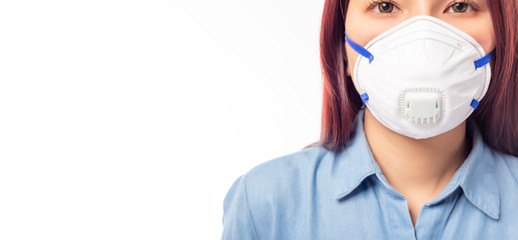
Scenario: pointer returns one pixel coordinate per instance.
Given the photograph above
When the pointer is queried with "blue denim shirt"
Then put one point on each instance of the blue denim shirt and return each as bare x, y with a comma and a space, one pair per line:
319, 194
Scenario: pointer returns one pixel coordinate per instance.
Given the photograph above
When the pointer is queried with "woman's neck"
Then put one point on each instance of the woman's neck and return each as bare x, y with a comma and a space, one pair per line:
416, 167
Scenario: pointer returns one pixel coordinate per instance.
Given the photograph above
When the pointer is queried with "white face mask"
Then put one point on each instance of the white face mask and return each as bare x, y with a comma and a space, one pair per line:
422, 77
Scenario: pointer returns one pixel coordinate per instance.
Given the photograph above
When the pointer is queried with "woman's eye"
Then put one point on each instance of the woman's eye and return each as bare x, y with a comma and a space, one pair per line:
385, 7
460, 8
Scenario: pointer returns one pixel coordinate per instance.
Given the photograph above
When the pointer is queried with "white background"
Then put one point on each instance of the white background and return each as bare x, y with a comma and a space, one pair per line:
132, 119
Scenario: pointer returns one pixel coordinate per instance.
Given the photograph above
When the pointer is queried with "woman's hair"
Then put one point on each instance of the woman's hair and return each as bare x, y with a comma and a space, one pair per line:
497, 114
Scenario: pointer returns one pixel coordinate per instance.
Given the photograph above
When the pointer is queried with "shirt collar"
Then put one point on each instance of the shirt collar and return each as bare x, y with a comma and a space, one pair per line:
476, 176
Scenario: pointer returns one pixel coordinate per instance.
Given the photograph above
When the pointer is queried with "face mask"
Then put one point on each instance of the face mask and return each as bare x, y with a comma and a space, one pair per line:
422, 77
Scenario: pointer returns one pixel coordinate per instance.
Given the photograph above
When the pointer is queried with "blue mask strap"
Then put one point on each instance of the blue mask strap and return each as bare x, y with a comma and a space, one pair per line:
474, 104
364, 97
362, 51
478, 64
484, 60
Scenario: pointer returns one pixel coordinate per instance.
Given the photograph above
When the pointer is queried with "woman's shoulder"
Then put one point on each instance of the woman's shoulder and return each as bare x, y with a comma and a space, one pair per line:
287, 168
301, 161
506, 170
259, 198
507, 159
284, 176
506, 162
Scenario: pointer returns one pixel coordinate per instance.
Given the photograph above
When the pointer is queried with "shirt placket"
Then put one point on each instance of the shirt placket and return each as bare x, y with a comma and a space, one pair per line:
395, 206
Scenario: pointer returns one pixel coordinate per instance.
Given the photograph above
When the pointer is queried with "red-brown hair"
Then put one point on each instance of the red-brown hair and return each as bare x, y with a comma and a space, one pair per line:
497, 114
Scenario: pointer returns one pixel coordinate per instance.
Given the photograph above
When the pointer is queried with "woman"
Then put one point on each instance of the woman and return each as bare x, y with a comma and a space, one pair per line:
419, 132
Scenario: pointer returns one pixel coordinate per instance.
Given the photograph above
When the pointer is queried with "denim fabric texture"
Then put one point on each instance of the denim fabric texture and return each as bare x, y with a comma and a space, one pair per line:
319, 194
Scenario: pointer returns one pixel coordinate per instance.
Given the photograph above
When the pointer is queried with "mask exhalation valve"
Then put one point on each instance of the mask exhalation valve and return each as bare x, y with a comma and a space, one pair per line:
421, 106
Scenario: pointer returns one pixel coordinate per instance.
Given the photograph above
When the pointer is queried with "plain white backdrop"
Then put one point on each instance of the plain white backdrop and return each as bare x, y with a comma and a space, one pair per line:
132, 119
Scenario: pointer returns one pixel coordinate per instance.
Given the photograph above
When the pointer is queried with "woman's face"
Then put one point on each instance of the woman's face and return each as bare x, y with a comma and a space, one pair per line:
366, 19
